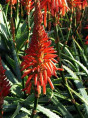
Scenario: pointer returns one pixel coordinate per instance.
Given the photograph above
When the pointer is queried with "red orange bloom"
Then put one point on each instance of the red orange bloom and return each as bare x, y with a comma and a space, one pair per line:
4, 85
39, 61
11, 1
55, 7
27, 4
81, 4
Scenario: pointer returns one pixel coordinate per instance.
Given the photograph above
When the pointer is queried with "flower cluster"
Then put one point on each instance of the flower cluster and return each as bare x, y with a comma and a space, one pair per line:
28, 4
55, 7
81, 4
39, 63
4, 85
12, 2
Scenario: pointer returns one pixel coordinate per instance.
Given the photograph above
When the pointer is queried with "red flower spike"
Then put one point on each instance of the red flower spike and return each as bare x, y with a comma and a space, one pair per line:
4, 85
39, 62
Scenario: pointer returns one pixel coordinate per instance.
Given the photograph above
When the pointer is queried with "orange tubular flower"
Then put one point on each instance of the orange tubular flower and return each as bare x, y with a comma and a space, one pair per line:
12, 1
39, 61
4, 85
